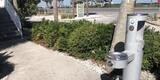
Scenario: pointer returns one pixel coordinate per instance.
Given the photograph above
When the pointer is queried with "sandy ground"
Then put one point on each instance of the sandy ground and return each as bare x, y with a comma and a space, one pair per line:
34, 62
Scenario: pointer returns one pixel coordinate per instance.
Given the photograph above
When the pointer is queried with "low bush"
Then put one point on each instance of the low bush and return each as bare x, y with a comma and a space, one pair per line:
151, 60
80, 38
86, 40
83, 39
47, 31
64, 32
89, 39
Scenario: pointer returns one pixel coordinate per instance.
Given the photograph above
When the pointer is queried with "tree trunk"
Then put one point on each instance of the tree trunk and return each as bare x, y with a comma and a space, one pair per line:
55, 8
15, 4
73, 8
127, 7
87, 8
151, 3
110, 3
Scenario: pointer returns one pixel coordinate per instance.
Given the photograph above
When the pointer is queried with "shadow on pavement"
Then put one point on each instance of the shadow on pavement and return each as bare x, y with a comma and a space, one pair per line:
26, 28
90, 14
5, 67
10, 43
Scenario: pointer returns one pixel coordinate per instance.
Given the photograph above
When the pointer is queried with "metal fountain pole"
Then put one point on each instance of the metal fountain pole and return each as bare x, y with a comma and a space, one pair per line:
131, 59
134, 46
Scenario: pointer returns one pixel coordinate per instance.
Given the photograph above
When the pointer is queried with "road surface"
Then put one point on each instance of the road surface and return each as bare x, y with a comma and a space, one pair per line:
106, 11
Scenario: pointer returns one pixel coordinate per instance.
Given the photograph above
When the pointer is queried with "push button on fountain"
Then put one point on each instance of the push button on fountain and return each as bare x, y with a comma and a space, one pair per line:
131, 27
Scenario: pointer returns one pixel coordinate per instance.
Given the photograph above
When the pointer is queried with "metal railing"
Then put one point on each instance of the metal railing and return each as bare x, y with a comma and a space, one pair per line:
14, 16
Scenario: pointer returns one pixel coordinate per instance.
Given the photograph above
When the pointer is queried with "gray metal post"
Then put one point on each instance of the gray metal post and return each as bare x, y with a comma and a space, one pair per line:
134, 45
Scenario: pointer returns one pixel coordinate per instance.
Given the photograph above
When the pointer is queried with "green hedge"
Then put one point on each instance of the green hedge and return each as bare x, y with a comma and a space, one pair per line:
64, 32
46, 31
151, 60
86, 40
89, 39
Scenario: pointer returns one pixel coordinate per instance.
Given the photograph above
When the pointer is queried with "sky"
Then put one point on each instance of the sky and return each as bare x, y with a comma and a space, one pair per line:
67, 2
139, 1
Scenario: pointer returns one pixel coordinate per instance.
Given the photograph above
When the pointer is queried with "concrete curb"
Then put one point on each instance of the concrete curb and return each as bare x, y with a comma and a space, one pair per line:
158, 25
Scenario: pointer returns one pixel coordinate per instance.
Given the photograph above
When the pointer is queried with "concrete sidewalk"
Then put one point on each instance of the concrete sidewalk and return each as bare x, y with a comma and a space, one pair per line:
34, 62
98, 18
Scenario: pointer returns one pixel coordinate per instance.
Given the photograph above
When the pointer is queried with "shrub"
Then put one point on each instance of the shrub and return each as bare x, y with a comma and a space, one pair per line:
46, 31
61, 44
37, 31
89, 39
100, 53
64, 30
80, 38
85, 40
27, 7
51, 33
151, 60
77, 24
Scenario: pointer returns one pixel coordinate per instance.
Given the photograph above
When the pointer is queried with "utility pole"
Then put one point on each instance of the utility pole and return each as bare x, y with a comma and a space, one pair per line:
55, 8
127, 7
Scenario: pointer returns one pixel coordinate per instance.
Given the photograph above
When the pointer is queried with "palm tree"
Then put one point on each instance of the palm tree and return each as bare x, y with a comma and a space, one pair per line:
55, 10
73, 8
87, 9
127, 7
110, 3
60, 3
